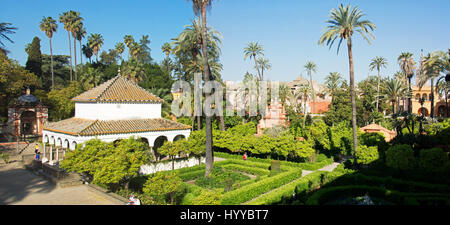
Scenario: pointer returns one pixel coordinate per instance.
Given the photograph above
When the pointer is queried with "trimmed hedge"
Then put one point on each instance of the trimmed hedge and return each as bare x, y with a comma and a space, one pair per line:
306, 166
247, 169
251, 191
391, 183
287, 191
326, 194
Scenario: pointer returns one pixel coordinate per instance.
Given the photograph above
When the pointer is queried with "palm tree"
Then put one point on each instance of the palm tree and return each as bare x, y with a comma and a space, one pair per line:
95, 42
407, 65
87, 51
333, 81
6, 29
265, 65
67, 19
443, 88
393, 89
49, 26
200, 7
342, 24
311, 67
378, 63
303, 92
120, 47
166, 49
80, 35
76, 28
432, 65
254, 50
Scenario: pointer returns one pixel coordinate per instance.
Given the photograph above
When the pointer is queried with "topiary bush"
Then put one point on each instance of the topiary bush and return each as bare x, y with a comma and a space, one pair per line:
366, 155
432, 160
208, 197
400, 157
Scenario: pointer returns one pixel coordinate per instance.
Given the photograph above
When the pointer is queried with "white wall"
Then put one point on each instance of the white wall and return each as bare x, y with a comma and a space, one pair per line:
117, 111
167, 165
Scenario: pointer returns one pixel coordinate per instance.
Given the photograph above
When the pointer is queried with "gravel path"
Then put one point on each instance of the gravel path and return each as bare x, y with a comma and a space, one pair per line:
22, 187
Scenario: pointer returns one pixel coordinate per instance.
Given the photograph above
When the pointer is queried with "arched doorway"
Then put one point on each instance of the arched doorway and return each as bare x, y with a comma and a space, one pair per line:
179, 137
423, 111
28, 123
158, 143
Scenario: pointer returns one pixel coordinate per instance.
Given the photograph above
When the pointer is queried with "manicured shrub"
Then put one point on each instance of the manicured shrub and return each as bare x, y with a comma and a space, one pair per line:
253, 190
366, 155
433, 160
400, 157
247, 169
208, 197
325, 195
287, 191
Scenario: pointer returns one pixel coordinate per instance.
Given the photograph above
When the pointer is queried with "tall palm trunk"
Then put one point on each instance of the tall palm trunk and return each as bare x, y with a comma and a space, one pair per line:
409, 96
70, 51
208, 135
75, 57
432, 98
352, 92
378, 88
446, 101
51, 64
257, 68
81, 56
313, 92
194, 61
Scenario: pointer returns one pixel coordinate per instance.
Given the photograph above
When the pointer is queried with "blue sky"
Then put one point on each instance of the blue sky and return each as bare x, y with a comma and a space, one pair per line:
288, 30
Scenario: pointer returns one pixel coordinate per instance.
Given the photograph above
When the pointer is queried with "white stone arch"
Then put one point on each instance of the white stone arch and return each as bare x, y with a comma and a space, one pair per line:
158, 142
66, 144
73, 145
179, 137
45, 139
59, 142
52, 140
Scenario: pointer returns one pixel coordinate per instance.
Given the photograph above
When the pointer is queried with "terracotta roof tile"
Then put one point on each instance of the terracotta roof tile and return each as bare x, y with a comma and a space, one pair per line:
117, 89
82, 127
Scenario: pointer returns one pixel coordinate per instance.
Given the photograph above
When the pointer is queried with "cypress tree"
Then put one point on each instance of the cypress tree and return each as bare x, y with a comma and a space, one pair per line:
34, 62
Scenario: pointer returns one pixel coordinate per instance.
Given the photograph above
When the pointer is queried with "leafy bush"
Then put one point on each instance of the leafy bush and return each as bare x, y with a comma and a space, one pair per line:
366, 155
433, 160
208, 197
219, 178
163, 186
5, 157
400, 157
247, 169
374, 139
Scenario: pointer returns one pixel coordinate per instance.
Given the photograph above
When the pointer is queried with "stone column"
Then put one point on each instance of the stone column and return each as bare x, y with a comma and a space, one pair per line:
57, 155
51, 153
43, 155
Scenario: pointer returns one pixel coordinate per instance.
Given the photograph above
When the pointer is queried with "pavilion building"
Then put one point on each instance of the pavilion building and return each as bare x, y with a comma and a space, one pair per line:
114, 110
